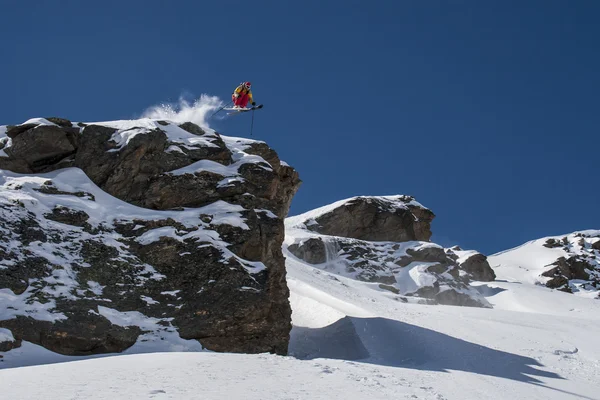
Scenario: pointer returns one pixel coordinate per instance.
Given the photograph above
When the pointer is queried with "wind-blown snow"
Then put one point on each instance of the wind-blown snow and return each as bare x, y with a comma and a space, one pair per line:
184, 111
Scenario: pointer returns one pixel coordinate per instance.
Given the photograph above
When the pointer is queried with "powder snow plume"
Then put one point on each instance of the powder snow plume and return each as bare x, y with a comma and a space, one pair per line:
184, 111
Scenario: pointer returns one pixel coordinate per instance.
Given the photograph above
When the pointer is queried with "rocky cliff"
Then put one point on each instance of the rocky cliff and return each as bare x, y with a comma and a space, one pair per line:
122, 233
569, 263
385, 241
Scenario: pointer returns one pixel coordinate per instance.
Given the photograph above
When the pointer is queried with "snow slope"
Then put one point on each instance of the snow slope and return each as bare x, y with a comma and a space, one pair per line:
527, 262
352, 342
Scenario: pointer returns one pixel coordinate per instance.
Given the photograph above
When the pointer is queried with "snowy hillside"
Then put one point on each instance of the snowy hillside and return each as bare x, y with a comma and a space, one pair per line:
569, 263
382, 241
352, 342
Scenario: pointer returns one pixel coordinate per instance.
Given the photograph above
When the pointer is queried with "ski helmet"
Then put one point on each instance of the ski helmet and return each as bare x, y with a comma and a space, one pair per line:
247, 84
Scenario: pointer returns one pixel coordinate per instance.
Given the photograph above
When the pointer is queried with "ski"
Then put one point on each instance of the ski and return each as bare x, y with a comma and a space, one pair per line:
241, 110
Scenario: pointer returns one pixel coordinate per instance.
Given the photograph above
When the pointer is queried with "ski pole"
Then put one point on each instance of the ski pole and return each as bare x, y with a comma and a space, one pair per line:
252, 123
220, 109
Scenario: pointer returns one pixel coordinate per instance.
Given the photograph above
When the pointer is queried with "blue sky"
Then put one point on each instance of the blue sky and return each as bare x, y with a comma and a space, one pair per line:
486, 111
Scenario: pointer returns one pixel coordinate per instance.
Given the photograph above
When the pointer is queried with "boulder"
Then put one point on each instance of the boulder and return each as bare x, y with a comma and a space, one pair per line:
478, 267
41, 146
428, 254
65, 123
312, 251
82, 334
396, 219
565, 269
67, 216
552, 243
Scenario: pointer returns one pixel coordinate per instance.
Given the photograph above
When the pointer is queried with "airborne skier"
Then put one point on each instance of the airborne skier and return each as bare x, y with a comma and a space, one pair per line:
242, 95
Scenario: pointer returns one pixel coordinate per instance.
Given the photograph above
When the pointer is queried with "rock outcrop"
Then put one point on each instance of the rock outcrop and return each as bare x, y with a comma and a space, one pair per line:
475, 264
188, 250
396, 254
570, 263
566, 269
578, 268
384, 218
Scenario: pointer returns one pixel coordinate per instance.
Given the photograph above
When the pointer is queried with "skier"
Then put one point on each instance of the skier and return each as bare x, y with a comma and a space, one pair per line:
241, 95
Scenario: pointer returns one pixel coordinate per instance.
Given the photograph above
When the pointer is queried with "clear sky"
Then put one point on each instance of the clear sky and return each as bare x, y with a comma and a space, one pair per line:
487, 112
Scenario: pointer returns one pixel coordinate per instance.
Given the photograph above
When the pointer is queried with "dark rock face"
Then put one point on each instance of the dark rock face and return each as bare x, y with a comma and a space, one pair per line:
67, 216
596, 245
65, 123
479, 268
566, 269
42, 145
79, 335
386, 263
377, 219
138, 172
216, 281
552, 243
312, 251
428, 254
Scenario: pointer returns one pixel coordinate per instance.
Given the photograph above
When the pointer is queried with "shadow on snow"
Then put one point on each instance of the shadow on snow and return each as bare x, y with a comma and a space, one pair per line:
397, 344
